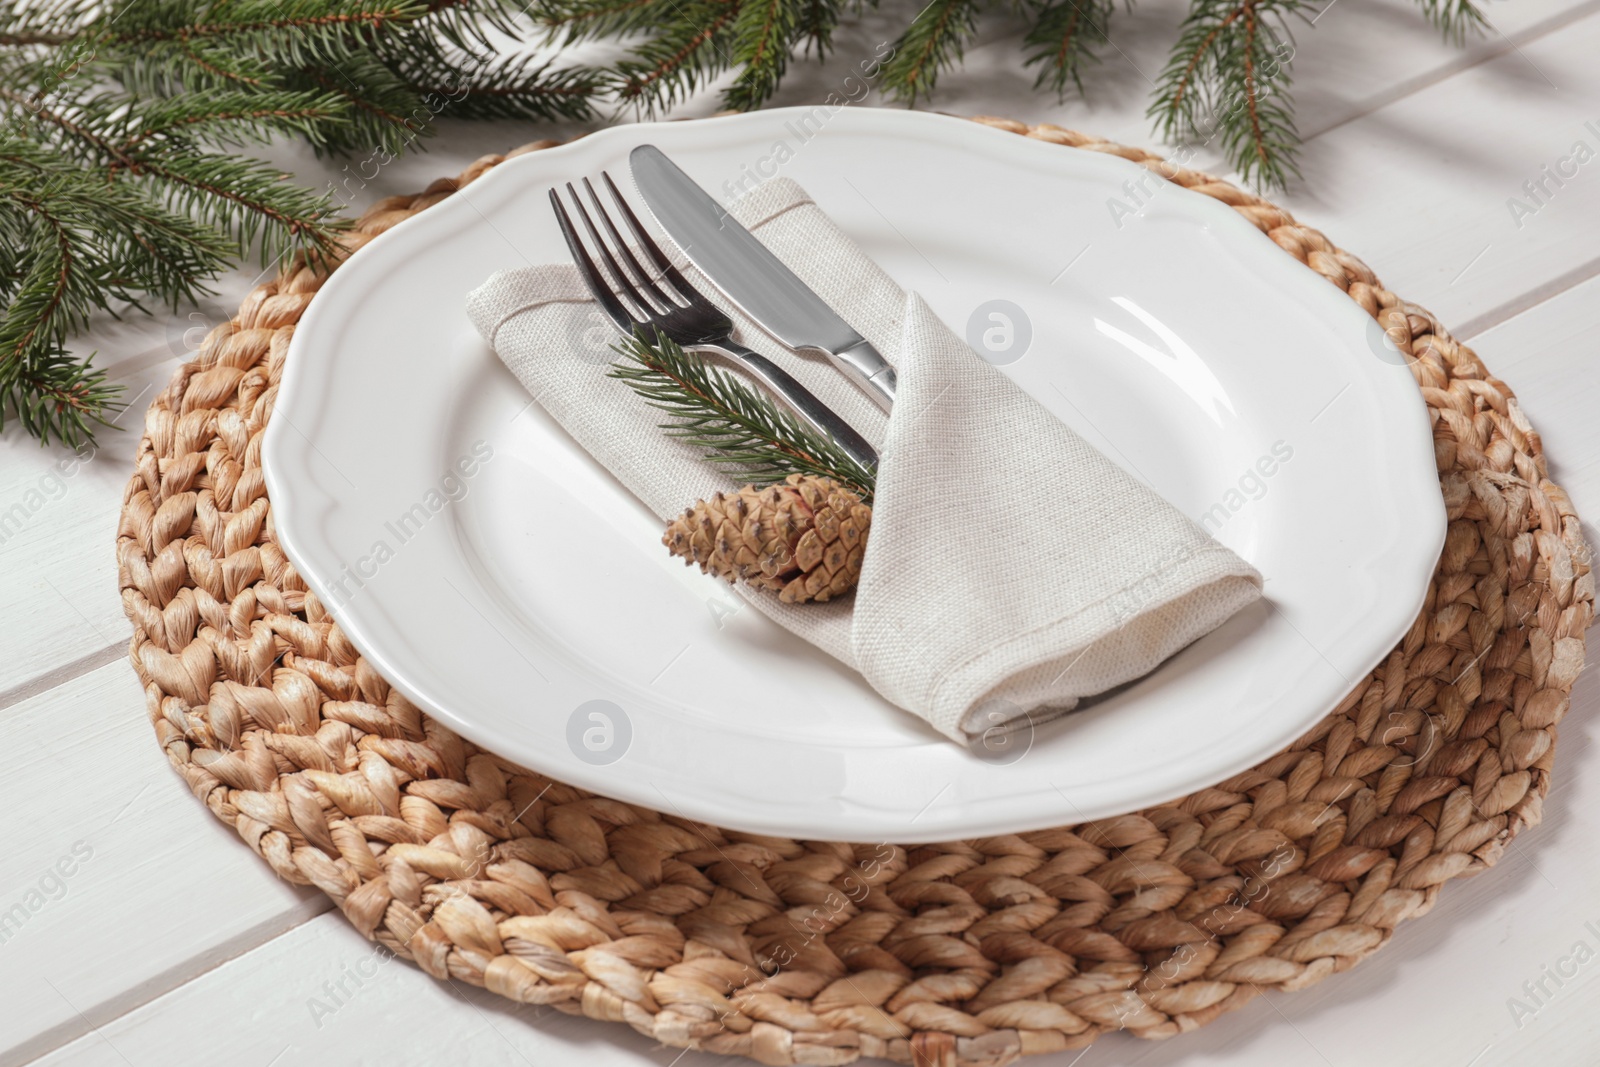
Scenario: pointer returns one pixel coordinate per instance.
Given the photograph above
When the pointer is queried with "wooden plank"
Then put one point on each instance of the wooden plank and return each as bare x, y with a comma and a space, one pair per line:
115, 885
1442, 992
323, 994
59, 506
1438, 994
58, 527
1469, 196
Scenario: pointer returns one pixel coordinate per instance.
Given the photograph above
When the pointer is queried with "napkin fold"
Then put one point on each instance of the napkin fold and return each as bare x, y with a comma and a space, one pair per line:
1012, 569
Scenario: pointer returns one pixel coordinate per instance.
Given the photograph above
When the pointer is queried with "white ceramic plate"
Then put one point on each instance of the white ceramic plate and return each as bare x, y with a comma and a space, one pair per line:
509, 586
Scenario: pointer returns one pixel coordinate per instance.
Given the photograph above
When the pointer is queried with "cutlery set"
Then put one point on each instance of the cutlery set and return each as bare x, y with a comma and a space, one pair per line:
641, 301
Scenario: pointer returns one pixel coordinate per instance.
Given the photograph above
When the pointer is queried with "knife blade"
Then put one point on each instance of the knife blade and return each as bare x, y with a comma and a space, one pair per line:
752, 277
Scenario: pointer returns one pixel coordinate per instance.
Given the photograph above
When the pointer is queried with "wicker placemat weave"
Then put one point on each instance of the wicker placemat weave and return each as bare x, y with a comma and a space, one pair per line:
968, 952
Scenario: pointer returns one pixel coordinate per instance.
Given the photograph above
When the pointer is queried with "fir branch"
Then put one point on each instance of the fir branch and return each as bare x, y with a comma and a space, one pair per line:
57, 397
933, 42
509, 87
32, 37
572, 21
293, 32
764, 33
77, 245
194, 67
120, 121
50, 295
1064, 37
817, 21
94, 244
1227, 80
43, 22
739, 427
384, 112
248, 200
1455, 19
69, 116
464, 24
234, 119
681, 58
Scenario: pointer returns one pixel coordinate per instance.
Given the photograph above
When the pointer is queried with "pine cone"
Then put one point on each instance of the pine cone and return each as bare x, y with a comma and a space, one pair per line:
803, 538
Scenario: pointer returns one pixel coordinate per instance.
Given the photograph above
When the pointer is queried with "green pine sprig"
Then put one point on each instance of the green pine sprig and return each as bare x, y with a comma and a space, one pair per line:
1227, 82
740, 428
75, 245
1065, 36
934, 41
122, 180
765, 33
1454, 18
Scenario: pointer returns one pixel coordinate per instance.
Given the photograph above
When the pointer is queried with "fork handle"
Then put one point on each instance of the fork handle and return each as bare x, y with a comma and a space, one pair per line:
802, 400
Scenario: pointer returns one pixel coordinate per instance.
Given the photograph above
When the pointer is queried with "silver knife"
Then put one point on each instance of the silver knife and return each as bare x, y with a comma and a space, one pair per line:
751, 276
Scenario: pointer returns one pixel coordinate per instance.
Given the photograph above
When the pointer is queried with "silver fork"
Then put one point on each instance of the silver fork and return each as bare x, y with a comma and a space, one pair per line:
683, 316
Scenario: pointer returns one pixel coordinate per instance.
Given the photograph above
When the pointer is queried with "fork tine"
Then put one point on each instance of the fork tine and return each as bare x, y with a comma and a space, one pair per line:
621, 245
591, 275
624, 283
646, 242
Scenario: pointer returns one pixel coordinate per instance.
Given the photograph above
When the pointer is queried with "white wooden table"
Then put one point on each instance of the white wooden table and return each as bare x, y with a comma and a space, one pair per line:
169, 943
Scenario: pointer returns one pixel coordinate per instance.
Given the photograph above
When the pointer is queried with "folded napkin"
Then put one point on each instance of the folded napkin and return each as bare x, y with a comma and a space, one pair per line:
1011, 569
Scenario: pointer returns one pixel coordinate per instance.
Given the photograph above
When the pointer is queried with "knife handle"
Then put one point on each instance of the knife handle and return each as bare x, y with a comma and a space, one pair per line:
802, 400
864, 365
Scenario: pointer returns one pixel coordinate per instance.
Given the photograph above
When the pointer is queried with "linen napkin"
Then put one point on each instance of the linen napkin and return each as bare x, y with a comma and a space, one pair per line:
1011, 569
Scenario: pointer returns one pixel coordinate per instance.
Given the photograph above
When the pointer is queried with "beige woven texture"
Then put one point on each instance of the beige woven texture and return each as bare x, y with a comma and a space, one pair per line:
798, 952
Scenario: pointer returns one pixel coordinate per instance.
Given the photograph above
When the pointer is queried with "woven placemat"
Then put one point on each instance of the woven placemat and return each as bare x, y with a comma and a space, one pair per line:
968, 952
